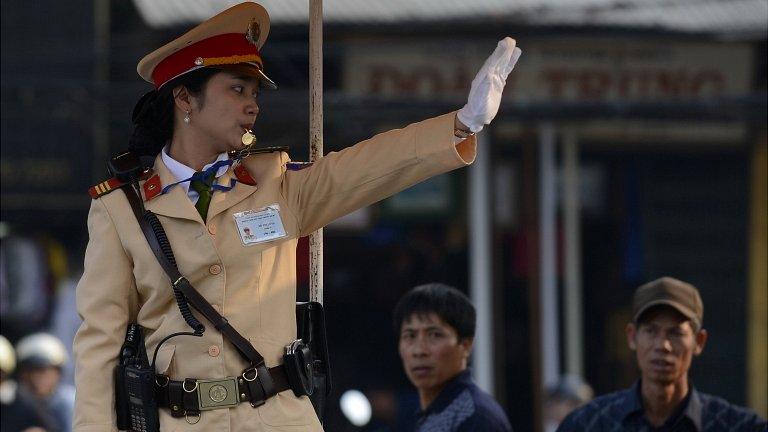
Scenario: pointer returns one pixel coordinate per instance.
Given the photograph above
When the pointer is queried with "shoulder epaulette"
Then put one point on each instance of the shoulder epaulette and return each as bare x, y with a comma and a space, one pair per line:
104, 188
297, 166
151, 186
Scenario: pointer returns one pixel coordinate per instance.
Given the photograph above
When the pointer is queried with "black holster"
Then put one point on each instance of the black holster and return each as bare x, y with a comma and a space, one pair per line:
306, 360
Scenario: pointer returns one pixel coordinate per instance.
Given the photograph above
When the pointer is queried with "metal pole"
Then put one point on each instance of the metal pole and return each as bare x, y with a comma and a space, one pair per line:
481, 286
316, 136
573, 320
550, 348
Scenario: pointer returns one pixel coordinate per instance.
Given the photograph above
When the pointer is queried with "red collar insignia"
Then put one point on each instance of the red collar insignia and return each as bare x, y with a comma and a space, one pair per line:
243, 176
152, 187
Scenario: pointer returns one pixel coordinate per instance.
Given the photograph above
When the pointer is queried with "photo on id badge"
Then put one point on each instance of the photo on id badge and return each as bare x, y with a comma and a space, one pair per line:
259, 226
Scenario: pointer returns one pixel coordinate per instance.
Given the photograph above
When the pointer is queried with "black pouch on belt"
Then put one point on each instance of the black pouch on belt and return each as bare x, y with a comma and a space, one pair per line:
297, 362
310, 326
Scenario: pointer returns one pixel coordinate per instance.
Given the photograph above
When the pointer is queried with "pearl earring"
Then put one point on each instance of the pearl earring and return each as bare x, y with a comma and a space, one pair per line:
186, 117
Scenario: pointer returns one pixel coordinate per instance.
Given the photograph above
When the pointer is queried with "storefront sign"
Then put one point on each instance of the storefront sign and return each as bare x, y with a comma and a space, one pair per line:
556, 71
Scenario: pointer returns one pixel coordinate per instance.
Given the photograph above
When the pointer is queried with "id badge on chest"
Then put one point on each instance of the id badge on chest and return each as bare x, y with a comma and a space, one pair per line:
259, 226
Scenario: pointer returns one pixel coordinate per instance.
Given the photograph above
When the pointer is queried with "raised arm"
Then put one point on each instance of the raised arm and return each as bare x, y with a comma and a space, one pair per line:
374, 169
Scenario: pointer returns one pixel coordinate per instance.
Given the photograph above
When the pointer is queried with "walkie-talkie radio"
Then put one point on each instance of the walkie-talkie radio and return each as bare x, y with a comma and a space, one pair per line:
135, 403
142, 406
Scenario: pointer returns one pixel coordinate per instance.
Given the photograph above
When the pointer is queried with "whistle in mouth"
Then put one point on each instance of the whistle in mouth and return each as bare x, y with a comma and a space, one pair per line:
248, 138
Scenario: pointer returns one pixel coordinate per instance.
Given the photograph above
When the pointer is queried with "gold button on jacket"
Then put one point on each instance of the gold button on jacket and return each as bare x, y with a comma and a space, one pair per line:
213, 351
256, 284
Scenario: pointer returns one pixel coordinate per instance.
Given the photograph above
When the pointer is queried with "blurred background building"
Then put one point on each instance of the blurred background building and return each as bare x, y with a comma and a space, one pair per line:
631, 144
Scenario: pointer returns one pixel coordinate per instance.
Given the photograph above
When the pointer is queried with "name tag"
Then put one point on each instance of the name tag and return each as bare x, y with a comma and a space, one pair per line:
259, 226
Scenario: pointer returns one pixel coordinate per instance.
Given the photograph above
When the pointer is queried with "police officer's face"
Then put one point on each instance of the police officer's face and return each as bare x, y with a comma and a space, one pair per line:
226, 108
431, 352
665, 343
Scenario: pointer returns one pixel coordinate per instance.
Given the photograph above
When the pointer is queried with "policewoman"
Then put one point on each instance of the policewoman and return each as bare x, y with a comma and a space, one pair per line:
210, 202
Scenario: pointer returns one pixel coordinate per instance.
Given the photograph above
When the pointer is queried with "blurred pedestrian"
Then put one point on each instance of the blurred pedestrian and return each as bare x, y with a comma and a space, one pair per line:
25, 291
65, 322
666, 334
569, 393
17, 412
41, 357
435, 325
233, 213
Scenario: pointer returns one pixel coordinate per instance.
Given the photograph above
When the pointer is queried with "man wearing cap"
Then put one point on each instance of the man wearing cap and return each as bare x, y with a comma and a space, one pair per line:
233, 219
666, 334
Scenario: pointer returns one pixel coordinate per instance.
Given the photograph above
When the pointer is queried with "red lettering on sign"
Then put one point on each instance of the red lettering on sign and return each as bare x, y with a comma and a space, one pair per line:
380, 76
463, 79
599, 84
425, 80
559, 83
643, 80
593, 84
672, 83
556, 80
624, 84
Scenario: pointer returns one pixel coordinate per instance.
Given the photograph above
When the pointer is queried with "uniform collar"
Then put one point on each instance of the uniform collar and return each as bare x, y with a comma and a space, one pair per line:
690, 406
181, 171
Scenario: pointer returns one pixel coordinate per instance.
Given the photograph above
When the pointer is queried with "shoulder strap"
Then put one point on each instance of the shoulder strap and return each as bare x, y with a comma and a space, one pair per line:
221, 324
105, 187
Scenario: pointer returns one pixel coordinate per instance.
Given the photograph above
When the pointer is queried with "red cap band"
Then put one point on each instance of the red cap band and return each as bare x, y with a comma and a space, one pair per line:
229, 48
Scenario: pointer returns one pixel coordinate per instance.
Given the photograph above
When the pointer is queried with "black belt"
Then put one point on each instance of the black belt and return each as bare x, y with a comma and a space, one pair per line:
189, 397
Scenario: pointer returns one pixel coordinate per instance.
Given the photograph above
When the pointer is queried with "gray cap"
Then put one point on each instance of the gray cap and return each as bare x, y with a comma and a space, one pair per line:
672, 292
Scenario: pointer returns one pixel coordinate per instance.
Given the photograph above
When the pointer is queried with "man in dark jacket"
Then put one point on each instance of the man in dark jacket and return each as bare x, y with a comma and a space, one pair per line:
435, 324
666, 334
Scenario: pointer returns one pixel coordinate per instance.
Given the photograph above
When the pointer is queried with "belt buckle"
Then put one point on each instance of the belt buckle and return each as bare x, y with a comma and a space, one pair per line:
214, 394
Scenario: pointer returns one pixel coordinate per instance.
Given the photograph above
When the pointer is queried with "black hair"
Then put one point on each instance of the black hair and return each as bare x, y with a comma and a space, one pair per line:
153, 114
448, 303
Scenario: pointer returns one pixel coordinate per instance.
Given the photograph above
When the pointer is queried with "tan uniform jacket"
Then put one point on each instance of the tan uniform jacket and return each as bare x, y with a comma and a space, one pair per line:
252, 286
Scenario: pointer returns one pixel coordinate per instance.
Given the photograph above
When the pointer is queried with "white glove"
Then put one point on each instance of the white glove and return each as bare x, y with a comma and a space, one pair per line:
485, 93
